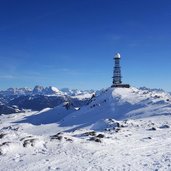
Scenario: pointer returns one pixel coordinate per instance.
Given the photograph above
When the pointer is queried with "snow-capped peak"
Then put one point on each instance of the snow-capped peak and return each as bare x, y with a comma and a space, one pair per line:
76, 92
121, 103
38, 89
54, 89
46, 90
51, 91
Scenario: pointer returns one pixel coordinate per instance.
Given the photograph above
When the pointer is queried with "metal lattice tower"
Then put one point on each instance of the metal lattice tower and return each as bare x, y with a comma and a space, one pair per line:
117, 70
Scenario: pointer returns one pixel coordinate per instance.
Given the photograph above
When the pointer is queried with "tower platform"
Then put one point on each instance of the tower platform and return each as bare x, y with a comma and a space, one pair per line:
121, 85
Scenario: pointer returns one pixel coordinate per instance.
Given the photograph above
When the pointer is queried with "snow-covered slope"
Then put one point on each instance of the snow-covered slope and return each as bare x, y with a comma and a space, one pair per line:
120, 129
48, 115
121, 103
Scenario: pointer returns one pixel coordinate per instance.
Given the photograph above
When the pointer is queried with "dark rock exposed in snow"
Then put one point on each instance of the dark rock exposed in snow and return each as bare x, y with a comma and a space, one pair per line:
5, 109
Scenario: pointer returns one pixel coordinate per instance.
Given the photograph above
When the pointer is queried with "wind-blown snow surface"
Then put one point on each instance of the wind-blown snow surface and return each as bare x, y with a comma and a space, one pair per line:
140, 140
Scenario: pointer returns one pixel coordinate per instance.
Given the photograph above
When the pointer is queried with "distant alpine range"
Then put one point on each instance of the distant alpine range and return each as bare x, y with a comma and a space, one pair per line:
14, 100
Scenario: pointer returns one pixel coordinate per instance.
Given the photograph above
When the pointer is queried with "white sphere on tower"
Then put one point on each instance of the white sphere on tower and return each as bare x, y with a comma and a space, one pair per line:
117, 55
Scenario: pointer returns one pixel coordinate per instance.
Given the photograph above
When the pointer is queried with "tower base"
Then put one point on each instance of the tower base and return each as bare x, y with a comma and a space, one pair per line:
121, 85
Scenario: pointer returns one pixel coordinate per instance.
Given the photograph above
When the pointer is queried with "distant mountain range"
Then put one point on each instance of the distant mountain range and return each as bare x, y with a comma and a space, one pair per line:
18, 99
40, 90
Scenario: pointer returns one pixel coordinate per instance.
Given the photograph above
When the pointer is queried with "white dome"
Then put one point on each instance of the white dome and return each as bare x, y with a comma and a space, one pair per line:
117, 55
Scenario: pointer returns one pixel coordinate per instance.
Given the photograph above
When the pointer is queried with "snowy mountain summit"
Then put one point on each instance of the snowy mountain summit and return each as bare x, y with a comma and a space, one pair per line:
121, 103
46, 91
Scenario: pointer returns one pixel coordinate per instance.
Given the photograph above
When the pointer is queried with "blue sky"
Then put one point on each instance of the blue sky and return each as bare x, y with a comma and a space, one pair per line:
71, 43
